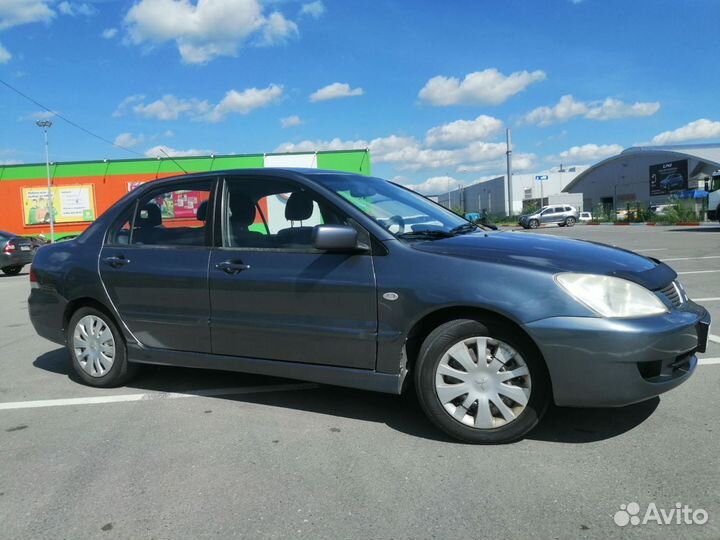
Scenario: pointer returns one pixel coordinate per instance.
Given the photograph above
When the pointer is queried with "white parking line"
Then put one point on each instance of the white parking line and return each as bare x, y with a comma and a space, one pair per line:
699, 272
709, 361
714, 338
155, 395
710, 299
692, 258
650, 249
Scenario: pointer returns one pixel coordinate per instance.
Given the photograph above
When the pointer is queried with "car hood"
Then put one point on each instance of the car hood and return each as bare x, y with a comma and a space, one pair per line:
552, 254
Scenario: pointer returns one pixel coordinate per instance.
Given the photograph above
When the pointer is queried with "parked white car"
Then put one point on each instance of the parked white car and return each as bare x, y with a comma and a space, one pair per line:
585, 216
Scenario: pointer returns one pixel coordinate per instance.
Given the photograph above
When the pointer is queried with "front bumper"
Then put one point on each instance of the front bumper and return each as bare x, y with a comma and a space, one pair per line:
597, 362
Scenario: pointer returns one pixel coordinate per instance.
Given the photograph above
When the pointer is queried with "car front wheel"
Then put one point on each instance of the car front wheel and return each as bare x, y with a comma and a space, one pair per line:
533, 224
570, 221
12, 270
481, 382
97, 349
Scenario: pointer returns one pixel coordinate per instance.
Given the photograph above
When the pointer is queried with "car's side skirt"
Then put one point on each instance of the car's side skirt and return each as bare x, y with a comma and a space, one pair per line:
349, 377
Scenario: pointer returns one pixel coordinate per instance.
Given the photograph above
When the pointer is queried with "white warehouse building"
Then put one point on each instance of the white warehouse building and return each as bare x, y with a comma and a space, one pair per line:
491, 194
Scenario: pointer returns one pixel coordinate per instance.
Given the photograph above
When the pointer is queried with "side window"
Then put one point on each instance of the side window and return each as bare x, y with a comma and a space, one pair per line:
273, 214
170, 217
547, 211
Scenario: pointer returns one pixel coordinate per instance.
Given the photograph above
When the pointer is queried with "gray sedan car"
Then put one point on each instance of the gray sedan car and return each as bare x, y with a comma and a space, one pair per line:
15, 252
355, 281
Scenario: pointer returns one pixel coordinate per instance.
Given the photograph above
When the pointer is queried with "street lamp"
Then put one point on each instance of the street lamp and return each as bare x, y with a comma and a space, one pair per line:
45, 125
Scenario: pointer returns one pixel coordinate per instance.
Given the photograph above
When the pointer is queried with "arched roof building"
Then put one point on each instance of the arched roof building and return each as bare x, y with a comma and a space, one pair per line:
648, 175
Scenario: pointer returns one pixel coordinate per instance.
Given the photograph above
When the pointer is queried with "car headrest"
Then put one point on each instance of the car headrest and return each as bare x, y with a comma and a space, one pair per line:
201, 213
242, 209
150, 216
299, 207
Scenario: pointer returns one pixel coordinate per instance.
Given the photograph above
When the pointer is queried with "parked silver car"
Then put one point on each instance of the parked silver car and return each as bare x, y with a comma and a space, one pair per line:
561, 215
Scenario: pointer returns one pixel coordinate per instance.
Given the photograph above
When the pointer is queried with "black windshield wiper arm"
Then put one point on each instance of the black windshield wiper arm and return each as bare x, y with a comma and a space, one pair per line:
464, 228
425, 235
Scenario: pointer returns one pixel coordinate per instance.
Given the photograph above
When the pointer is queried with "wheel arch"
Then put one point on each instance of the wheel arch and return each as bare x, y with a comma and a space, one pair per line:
86, 301
422, 328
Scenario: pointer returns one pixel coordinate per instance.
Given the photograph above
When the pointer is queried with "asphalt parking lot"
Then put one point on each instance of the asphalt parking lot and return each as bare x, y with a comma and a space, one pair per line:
198, 454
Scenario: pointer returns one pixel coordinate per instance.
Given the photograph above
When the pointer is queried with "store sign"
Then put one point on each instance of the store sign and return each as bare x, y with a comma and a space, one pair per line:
668, 177
71, 204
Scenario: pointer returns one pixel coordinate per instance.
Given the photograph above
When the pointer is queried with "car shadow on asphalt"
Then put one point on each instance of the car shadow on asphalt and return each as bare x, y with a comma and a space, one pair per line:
401, 413
698, 229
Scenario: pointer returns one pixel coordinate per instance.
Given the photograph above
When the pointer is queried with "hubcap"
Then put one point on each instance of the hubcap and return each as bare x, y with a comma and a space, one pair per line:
483, 383
94, 345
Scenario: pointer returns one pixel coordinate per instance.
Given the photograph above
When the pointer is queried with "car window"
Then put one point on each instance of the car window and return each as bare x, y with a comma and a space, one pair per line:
168, 217
559, 209
273, 213
547, 211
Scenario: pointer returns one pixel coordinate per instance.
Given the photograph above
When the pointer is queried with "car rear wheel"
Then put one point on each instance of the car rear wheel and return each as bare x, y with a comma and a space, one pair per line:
570, 221
481, 382
97, 349
533, 224
12, 270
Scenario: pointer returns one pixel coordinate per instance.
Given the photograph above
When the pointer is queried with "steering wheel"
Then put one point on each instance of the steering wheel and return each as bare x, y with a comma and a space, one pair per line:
395, 224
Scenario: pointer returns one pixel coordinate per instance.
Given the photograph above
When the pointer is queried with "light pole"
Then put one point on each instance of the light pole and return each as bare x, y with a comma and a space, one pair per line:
45, 125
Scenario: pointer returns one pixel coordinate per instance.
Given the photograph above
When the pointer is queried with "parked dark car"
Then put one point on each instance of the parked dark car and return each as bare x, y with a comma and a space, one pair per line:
15, 252
354, 281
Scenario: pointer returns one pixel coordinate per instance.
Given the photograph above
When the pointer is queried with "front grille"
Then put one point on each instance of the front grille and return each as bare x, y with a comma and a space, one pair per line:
673, 294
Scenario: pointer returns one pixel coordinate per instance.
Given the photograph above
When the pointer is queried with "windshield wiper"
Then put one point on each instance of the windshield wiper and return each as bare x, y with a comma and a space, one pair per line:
464, 228
425, 235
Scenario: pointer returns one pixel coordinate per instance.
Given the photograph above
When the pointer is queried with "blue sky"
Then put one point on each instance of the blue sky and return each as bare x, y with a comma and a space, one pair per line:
429, 86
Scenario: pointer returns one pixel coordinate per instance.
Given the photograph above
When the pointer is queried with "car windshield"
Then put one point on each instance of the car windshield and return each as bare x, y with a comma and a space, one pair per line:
402, 212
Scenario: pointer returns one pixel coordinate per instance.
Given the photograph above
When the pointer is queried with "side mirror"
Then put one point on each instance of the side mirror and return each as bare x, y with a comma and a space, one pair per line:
335, 238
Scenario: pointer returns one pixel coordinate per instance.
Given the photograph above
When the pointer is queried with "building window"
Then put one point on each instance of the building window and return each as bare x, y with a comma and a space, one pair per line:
528, 193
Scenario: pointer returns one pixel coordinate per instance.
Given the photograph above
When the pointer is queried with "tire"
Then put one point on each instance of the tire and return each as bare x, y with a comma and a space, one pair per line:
12, 270
533, 223
561, 224
97, 367
458, 418
569, 222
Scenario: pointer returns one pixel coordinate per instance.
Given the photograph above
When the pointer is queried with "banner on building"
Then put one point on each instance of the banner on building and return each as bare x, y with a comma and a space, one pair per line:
668, 177
71, 204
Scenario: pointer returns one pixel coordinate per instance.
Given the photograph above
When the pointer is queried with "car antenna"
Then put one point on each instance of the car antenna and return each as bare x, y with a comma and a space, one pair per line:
173, 160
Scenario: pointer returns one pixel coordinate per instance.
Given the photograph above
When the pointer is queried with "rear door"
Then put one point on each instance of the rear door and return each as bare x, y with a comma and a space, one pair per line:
274, 296
548, 215
154, 265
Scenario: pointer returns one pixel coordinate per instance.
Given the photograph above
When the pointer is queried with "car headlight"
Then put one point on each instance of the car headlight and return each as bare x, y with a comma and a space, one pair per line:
611, 296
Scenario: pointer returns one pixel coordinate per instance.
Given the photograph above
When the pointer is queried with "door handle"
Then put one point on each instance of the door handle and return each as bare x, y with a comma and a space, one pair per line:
116, 261
232, 267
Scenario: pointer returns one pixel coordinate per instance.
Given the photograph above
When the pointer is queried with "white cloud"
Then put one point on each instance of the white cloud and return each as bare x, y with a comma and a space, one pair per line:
109, 33
290, 121
611, 109
39, 115
694, 131
162, 151
608, 109
464, 131
314, 9
520, 162
335, 91
565, 109
205, 29
128, 140
278, 29
435, 185
75, 9
244, 102
487, 87
10, 162
18, 12
5, 55
170, 107
312, 146
587, 153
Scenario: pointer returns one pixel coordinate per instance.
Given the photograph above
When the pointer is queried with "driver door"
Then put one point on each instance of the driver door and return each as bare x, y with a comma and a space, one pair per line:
273, 295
